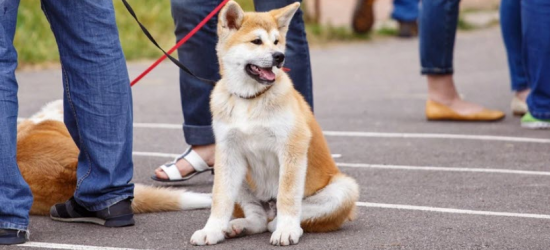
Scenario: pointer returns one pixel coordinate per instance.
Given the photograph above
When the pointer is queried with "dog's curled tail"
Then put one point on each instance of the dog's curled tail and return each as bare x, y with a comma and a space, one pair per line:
148, 199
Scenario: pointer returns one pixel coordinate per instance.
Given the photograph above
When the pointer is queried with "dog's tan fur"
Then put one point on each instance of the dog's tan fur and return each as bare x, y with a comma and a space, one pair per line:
271, 142
48, 157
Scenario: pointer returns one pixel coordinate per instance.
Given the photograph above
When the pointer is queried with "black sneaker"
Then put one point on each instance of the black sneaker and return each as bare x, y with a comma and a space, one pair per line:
117, 215
12, 237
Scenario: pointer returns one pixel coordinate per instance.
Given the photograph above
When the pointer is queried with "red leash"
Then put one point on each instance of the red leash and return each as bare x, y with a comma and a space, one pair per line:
181, 42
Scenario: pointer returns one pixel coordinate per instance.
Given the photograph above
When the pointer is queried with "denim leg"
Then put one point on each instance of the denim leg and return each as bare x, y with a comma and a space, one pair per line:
405, 10
438, 23
15, 194
199, 55
535, 20
510, 24
297, 48
98, 99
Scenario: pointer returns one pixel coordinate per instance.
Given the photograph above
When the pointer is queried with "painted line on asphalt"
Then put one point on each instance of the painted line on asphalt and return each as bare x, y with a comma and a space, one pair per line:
398, 167
379, 134
435, 136
451, 210
386, 135
448, 169
68, 246
155, 154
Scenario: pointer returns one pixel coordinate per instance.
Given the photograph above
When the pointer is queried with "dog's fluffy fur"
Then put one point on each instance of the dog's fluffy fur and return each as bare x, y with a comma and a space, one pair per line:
268, 146
47, 158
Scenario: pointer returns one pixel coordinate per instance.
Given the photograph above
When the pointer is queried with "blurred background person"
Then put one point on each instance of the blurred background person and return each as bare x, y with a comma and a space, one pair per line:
438, 24
535, 25
405, 12
510, 24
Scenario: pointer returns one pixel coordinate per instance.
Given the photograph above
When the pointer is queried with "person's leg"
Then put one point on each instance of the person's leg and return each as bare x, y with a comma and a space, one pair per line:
405, 12
438, 24
297, 48
97, 99
535, 16
15, 194
199, 55
510, 23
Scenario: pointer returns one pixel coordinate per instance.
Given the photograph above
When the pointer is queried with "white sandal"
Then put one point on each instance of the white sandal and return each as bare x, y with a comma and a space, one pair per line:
173, 173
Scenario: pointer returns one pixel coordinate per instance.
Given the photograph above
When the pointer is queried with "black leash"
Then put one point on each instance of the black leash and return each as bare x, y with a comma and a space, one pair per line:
174, 60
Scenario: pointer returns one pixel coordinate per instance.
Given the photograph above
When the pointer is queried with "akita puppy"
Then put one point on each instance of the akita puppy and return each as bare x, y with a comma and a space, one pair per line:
47, 157
269, 146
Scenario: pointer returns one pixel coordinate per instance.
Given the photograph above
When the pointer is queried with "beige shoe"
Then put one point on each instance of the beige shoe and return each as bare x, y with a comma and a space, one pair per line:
519, 107
439, 112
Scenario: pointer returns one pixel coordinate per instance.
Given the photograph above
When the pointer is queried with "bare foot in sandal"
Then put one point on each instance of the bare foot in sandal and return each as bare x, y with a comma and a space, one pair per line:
206, 152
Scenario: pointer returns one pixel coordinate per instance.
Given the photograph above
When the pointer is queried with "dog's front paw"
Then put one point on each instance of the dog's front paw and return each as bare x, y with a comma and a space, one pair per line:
207, 237
286, 235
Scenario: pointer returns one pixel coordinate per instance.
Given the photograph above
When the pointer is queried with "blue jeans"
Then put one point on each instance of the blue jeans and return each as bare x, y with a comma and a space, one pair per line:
510, 24
199, 55
535, 20
438, 23
405, 10
97, 106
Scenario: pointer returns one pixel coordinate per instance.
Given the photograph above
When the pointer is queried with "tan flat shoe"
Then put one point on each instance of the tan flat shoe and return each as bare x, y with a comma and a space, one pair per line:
439, 112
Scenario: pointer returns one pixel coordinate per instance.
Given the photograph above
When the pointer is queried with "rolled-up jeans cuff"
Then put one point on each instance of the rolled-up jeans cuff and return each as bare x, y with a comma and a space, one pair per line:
540, 115
8, 225
520, 87
198, 135
436, 71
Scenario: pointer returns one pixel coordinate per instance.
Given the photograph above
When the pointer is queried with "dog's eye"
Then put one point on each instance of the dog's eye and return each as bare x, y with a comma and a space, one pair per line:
257, 41
276, 42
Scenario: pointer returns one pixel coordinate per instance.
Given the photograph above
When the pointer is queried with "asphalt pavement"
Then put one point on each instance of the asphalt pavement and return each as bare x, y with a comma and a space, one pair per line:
424, 185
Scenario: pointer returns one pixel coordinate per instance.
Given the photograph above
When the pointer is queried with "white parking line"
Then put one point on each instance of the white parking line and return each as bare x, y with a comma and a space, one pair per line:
436, 136
155, 154
68, 246
449, 169
398, 167
378, 134
451, 210
386, 135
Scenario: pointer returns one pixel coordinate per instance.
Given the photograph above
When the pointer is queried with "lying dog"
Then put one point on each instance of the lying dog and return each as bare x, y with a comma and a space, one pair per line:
268, 143
47, 158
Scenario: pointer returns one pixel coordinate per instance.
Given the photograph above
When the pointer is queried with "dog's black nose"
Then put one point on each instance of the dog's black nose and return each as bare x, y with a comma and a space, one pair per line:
278, 58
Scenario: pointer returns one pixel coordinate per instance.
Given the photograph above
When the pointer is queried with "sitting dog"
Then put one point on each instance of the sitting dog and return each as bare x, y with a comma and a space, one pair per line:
47, 157
269, 147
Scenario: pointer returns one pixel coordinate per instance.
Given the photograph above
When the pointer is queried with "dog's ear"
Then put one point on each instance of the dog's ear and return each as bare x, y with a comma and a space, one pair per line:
231, 16
285, 14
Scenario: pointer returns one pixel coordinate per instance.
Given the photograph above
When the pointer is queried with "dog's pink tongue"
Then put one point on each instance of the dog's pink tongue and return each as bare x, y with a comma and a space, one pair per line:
267, 74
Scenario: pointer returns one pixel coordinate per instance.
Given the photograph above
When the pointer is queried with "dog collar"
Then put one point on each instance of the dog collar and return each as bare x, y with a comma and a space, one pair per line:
250, 97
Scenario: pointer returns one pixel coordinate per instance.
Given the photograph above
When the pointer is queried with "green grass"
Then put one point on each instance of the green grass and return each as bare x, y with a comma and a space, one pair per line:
465, 25
36, 44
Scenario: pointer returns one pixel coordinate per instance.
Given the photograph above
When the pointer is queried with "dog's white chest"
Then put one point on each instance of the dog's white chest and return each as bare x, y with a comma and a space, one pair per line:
259, 141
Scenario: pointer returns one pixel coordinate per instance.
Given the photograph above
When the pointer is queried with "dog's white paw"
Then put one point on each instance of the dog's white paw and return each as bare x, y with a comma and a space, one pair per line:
272, 225
237, 227
286, 235
207, 237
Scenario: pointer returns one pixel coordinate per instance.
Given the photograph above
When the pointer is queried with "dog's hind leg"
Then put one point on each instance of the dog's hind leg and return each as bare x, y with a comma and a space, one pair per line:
255, 216
330, 207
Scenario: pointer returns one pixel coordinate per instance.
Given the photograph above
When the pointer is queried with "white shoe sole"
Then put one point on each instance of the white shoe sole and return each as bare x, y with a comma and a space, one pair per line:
536, 125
